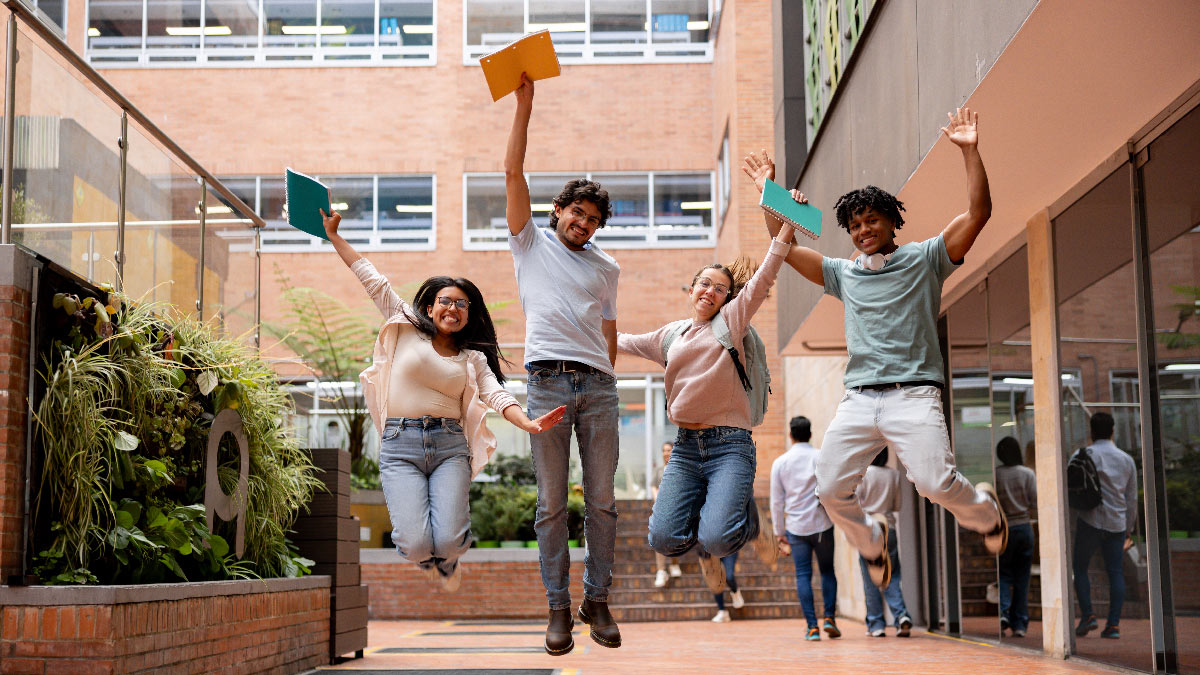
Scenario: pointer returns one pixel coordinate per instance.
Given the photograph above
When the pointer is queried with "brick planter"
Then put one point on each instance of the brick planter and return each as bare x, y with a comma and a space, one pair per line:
260, 626
496, 584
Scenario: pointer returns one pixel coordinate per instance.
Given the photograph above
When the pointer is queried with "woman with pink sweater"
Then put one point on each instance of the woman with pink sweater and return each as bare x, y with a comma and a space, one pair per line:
707, 492
436, 365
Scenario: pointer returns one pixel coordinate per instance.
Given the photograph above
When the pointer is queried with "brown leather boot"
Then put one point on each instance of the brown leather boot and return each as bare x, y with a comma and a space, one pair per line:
604, 629
558, 632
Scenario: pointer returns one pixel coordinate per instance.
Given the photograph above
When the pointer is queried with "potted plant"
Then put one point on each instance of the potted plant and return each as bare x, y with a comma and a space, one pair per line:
483, 517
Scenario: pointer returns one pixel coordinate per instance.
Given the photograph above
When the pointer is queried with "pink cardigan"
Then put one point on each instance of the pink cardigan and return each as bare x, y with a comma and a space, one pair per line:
482, 386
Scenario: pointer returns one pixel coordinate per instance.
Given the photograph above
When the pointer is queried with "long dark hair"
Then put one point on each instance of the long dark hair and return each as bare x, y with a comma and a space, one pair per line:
479, 333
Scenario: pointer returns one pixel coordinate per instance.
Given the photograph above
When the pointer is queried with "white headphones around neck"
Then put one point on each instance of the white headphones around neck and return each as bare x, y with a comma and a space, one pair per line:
873, 262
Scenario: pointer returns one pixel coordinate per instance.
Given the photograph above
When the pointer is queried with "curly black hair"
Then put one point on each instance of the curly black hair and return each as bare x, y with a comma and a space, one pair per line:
582, 189
856, 201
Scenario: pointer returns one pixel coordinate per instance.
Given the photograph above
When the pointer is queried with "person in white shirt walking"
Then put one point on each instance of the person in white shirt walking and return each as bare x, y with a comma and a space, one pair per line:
1016, 485
879, 493
801, 522
666, 569
1108, 527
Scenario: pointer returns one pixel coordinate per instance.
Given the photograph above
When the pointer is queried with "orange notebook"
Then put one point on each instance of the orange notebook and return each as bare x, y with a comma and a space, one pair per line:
533, 55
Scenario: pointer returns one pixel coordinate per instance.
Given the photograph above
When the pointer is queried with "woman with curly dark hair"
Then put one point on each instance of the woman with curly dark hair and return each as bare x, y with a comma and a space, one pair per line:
436, 366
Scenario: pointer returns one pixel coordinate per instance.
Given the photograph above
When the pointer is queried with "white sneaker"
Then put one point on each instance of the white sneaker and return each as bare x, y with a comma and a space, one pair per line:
661, 579
878, 632
738, 601
451, 583
675, 571
721, 617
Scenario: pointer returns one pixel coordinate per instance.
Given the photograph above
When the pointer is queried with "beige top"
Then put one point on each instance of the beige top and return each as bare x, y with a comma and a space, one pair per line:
424, 382
482, 390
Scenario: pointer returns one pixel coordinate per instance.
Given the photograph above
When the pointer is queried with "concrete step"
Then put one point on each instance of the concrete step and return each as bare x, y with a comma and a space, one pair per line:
702, 611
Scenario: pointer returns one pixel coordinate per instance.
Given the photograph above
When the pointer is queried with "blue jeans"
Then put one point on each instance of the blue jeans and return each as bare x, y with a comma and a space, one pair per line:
425, 468
591, 401
893, 595
729, 562
706, 494
1112, 547
1015, 564
803, 548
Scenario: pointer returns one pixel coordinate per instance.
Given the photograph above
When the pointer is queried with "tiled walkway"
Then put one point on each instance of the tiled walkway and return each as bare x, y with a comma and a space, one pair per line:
774, 646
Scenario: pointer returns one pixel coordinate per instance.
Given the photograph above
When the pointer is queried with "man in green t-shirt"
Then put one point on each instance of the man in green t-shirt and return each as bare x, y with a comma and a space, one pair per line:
894, 378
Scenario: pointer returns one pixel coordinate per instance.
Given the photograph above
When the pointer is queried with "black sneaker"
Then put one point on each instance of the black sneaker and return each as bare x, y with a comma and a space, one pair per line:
1086, 625
831, 628
904, 628
1004, 625
1111, 632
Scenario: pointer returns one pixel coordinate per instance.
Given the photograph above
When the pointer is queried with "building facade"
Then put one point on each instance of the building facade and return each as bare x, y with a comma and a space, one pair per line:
384, 101
1079, 296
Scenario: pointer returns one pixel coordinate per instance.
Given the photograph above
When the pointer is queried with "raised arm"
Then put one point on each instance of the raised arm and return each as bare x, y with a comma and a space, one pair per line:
803, 259
331, 221
960, 234
377, 286
516, 190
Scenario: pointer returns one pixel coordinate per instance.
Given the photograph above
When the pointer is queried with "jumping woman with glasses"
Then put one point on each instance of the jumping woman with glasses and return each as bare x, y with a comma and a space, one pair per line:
707, 489
436, 365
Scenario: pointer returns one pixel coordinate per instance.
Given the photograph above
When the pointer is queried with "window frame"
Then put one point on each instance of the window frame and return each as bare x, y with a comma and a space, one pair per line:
701, 52
651, 240
260, 56
309, 244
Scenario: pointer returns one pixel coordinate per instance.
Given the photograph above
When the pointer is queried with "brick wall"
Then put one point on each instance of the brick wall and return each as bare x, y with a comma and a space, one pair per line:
280, 631
490, 590
14, 381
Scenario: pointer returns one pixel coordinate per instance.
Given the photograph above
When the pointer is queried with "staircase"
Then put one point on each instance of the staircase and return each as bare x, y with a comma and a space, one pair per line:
633, 597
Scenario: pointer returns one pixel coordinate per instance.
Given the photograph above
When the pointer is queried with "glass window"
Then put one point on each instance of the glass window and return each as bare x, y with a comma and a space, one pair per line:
54, 10
1170, 177
348, 23
230, 26
724, 174
343, 30
619, 22
682, 217
289, 24
378, 212
405, 209
588, 30
114, 30
171, 26
1098, 352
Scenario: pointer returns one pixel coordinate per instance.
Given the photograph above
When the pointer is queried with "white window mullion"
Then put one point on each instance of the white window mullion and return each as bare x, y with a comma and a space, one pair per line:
377, 237
649, 53
378, 30
526, 9
203, 22
318, 55
145, 22
651, 233
587, 29
262, 21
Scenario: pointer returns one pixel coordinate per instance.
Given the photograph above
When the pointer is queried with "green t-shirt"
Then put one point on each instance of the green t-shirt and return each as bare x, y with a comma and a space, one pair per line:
891, 314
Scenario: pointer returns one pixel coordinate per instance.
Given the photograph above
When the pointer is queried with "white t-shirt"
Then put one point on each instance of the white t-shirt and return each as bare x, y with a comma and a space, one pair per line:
565, 294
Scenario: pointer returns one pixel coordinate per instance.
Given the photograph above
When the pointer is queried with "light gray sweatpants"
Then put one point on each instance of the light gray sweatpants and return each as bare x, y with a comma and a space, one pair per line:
909, 421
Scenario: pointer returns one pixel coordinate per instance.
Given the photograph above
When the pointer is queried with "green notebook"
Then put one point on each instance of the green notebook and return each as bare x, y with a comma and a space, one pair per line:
305, 196
777, 200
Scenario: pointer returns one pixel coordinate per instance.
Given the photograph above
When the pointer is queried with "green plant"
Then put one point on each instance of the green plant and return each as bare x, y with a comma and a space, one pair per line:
335, 342
364, 474
512, 469
130, 393
503, 511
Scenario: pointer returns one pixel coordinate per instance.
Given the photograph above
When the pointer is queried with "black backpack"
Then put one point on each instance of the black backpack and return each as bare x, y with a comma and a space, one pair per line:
1083, 482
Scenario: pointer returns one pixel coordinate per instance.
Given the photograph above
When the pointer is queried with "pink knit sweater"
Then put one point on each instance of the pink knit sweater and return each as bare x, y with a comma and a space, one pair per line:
701, 381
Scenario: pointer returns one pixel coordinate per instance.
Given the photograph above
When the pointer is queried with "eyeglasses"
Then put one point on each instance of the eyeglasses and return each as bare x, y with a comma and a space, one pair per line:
445, 301
704, 284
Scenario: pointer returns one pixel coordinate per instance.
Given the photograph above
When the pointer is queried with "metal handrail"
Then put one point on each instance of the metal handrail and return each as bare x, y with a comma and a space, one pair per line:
30, 19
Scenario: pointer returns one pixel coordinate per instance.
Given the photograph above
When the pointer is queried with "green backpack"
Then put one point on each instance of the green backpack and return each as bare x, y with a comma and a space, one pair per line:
755, 376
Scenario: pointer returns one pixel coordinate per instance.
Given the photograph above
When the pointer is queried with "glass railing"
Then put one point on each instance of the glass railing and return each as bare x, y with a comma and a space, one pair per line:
97, 188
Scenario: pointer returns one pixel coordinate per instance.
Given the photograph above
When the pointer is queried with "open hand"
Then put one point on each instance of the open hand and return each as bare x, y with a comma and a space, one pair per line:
963, 127
330, 221
546, 421
525, 91
759, 169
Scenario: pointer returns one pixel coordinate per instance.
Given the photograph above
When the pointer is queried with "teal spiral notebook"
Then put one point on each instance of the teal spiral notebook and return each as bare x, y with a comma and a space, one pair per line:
778, 201
305, 197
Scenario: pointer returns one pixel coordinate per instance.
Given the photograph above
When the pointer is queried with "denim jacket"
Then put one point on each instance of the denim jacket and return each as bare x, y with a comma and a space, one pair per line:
482, 386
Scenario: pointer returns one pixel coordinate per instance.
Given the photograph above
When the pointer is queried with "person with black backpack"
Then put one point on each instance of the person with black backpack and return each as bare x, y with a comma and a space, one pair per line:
1108, 525
707, 491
